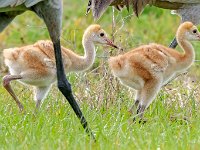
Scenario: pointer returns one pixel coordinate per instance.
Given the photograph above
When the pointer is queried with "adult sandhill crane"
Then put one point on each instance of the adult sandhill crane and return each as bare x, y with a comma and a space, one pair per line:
35, 64
51, 12
147, 68
188, 10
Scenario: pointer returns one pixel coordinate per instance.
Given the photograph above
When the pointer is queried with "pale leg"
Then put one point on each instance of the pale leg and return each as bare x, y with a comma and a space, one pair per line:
39, 94
43, 80
136, 103
148, 94
6, 84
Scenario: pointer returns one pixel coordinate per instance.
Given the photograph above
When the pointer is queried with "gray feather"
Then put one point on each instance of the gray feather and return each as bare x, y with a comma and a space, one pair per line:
13, 3
30, 3
183, 1
99, 6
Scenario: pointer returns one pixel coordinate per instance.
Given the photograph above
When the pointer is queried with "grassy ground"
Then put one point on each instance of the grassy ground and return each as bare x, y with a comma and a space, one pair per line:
173, 118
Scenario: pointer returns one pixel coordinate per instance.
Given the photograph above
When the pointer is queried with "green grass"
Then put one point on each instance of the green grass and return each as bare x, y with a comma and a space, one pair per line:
173, 118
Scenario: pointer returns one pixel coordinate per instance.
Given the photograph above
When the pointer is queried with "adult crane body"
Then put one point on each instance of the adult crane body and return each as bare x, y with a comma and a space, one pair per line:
188, 10
99, 6
51, 12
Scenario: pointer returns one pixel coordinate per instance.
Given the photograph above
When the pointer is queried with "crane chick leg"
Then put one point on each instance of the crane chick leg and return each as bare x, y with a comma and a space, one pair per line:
136, 103
148, 94
39, 94
6, 84
53, 22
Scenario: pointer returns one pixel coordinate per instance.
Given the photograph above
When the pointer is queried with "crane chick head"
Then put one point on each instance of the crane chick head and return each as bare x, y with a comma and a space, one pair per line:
97, 35
188, 31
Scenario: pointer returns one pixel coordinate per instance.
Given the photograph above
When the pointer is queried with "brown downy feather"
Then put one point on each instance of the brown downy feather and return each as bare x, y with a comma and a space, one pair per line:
148, 67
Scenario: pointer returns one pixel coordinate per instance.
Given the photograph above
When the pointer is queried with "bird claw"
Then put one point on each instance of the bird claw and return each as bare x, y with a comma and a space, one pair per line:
140, 121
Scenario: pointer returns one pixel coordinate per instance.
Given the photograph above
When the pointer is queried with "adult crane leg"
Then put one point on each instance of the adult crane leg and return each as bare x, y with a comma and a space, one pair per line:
173, 44
51, 12
6, 18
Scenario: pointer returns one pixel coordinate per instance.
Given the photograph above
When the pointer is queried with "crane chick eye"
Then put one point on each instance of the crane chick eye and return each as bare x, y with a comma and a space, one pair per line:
101, 34
194, 31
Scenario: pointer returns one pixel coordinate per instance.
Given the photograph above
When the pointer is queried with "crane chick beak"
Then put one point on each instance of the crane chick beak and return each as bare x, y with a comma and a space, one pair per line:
198, 36
110, 43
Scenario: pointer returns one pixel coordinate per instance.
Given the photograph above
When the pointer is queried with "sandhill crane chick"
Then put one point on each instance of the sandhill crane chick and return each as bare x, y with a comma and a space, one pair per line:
50, 11
148, 67
35, 64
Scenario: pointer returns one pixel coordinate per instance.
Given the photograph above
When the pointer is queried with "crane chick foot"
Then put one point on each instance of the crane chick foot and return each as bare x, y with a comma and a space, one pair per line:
6, 84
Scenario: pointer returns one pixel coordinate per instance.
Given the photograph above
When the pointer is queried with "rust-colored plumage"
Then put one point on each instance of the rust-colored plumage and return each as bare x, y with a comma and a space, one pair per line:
35, 64
148, 67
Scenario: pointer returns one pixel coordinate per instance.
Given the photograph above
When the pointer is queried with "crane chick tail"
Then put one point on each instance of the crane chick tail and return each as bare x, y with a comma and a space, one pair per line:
11, 54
